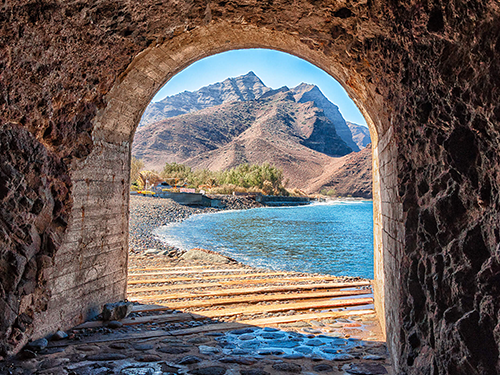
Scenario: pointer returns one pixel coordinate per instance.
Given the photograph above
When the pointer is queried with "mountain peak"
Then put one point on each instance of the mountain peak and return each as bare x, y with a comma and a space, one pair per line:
243, 88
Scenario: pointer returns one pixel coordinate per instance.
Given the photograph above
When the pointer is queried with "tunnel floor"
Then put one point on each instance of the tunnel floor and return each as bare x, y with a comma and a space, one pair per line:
221, 317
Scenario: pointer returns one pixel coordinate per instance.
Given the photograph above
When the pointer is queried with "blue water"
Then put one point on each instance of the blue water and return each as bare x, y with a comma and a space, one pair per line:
334, 238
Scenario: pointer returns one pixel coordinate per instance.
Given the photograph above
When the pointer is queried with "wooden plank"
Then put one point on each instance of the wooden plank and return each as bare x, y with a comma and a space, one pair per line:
304, 317
168, 268
236, 282
115, 337
249, 299
230, 276
237, 291
226, 270
166, 318
145, 335
320, 304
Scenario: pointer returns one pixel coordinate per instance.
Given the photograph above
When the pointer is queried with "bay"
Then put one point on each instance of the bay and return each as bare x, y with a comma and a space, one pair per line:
334, 238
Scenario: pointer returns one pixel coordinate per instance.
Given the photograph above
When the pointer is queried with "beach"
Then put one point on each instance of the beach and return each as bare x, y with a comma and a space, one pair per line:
148, 214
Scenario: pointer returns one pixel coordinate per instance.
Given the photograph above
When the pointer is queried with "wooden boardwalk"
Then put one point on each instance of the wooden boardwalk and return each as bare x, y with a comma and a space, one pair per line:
240, 294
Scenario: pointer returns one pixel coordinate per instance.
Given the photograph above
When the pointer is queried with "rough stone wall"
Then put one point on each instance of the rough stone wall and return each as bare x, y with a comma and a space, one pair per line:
424, 73
446, 116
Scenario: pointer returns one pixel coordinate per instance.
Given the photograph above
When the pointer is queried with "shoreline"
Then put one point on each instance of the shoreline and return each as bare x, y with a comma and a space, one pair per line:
148, 214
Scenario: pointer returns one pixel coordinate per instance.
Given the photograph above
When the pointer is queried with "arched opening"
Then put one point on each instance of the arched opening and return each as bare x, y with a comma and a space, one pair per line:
109, 164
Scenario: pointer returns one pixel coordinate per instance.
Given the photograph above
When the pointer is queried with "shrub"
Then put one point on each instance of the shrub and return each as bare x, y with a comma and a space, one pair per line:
263, 178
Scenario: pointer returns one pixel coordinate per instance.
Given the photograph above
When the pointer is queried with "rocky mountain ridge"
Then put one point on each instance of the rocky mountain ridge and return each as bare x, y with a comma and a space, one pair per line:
239, 89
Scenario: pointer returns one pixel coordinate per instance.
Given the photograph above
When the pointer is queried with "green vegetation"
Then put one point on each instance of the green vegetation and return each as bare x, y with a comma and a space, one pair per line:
265, 178
328, 192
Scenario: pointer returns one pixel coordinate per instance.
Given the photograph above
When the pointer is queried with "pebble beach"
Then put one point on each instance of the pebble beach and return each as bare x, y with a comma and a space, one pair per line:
147, 214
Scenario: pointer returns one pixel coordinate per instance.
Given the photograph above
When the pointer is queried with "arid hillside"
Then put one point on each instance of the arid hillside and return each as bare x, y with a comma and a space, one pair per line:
289, 128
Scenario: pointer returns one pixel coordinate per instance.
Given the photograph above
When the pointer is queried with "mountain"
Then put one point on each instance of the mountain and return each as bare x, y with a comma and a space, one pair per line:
360, 134
349, 175
290, 128
310, 93
297, 137
242, 88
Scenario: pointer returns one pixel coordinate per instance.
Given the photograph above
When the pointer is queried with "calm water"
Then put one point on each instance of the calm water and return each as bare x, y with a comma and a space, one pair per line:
334, 238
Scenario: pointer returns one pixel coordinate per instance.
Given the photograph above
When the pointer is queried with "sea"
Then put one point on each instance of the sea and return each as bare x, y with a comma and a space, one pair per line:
334, 238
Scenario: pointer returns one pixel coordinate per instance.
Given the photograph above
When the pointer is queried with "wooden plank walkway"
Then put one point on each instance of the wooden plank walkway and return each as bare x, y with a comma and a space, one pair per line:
250, 299
231, 292
243, 295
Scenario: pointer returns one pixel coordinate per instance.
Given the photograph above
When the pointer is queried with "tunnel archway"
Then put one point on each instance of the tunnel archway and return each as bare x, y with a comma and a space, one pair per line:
115, 126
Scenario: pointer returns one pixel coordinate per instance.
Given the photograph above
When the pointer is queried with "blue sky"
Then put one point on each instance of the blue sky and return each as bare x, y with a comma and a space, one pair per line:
275, 69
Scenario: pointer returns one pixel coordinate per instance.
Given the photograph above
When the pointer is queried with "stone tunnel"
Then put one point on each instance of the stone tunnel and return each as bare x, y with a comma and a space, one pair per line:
77, 75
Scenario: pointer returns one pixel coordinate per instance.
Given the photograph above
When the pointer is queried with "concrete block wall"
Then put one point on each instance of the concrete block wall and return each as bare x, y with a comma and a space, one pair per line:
90, 268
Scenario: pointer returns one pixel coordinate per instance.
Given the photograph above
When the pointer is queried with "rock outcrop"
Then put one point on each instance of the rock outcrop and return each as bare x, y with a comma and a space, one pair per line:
349, 176
360, 134
304, 93
242, 88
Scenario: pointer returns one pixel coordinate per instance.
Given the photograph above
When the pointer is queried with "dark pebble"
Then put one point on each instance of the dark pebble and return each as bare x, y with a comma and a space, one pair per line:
173, 350
270, 352
366, 369
198, 340
288, 367
272, 335
114, 324
373, 357
148, 358
254, 372
238, 360
323, 368
143, 347
37, 345
189, 360
342, 357
120, 345
314, 342
294, 356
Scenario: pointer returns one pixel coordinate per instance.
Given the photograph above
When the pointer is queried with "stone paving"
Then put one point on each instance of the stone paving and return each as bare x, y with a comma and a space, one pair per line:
300, 348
